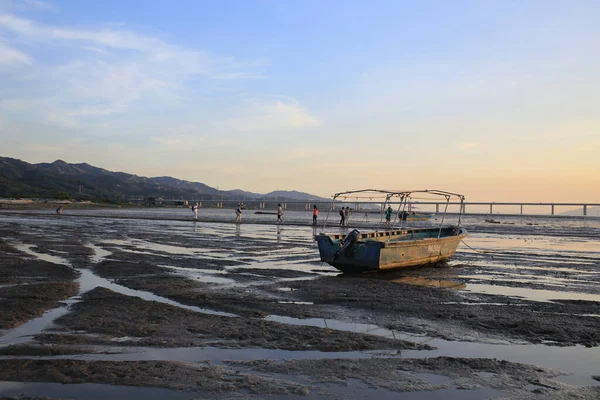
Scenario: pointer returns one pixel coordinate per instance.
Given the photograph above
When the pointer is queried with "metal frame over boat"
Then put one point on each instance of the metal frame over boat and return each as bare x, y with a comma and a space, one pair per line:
390, 247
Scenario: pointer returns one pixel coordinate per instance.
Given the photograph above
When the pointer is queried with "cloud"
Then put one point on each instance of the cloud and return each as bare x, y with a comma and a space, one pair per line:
26, 5
96, 73
189, 61
271, 115
10, 56
101, 37
45, 148
469, 146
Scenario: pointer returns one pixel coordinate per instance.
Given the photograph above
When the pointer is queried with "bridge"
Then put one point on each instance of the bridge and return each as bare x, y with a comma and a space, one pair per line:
491, 208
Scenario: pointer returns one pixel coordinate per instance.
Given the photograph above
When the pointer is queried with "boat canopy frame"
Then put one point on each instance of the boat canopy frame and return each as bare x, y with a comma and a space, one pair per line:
404, 197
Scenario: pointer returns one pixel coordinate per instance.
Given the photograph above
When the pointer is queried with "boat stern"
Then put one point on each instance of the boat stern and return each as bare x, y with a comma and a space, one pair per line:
358, 257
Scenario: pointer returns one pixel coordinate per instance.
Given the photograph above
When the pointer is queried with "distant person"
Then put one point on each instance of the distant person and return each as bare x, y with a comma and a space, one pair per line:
346, 215
403, 215
279, 213
195, 210
388, 216
59, 210
342, 217
315, 214
238, 213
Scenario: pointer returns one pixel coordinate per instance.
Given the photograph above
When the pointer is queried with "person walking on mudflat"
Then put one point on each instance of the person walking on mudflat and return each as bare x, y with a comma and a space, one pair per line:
342, 217
388, 216
279, 213
315, 214
195, 210
238, 214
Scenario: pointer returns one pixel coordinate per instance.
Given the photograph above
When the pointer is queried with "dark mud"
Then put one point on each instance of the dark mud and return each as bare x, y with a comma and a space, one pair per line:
43, 350
237, 300
173, 375
436, 312
30, 287
392, 305
271, 282
518, 380
113, 315
30, 398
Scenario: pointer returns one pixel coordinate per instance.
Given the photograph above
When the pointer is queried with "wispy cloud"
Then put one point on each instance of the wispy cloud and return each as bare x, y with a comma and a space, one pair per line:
115, 88
103, 71
192, 61
271, 115
26, 5
469, 146
10, 56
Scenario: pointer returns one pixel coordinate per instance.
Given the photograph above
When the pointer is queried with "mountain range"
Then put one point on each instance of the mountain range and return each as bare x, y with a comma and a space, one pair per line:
60, 179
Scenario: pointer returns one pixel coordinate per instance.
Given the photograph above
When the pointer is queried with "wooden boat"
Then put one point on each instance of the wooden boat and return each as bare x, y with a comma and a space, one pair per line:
410, 214
389, 247
415, 216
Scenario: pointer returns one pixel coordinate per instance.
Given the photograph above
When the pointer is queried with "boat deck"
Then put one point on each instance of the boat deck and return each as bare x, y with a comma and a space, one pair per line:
398, 234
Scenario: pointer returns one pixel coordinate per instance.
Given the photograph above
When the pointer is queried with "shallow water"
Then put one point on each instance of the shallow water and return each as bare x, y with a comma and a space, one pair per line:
532, 258
356, 389
92, 391
87, 281
507, 258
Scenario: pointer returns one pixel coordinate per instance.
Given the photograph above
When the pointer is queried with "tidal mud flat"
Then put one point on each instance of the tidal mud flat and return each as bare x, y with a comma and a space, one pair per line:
183, 309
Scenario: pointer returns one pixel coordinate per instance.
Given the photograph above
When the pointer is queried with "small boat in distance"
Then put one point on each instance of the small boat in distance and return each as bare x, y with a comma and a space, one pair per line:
411, 215
390, 247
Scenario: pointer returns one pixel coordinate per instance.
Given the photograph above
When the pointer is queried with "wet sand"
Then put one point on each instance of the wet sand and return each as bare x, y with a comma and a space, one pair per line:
249, 311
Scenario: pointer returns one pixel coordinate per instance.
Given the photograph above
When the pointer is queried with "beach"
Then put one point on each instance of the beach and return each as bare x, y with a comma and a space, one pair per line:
149, 303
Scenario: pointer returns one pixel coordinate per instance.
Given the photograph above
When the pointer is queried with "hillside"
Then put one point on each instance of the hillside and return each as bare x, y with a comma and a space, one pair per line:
293, 194
591, 212
83, 181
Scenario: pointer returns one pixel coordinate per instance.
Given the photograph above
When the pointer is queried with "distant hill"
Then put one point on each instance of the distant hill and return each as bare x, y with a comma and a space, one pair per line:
185, 185
242, 194
293, 194
591, 212
83, 181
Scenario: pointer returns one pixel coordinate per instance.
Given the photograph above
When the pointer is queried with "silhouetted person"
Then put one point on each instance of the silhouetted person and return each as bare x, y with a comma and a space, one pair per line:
238, 213
388, 216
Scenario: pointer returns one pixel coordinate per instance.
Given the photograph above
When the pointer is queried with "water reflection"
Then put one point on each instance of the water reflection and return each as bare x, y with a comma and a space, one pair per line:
422, 281
439, 276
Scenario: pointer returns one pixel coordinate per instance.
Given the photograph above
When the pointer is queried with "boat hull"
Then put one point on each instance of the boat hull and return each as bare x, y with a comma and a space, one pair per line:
416, 217
390, 250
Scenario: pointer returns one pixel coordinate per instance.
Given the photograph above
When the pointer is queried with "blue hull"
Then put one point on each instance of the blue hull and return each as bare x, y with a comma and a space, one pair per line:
390, 249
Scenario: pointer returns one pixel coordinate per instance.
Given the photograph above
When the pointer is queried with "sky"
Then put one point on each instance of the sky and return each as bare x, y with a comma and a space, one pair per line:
497, 100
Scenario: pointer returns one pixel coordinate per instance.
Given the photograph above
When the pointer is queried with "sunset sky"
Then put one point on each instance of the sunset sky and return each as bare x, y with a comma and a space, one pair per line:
498, 100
